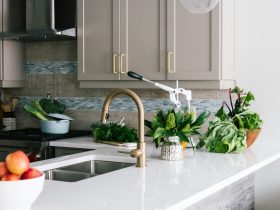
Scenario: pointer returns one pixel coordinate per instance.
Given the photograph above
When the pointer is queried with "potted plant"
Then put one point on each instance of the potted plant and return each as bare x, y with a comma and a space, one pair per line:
168, 123
241, 115
234, 130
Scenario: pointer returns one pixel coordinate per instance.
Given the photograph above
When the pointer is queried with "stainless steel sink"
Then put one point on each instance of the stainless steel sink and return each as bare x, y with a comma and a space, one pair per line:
84, 170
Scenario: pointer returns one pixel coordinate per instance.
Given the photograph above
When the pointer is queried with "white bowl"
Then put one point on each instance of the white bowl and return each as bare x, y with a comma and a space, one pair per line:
20, 195
55, 127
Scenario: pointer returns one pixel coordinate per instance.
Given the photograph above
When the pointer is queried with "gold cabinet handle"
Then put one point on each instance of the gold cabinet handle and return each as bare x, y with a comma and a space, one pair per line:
121, 63
169, 62
114, 63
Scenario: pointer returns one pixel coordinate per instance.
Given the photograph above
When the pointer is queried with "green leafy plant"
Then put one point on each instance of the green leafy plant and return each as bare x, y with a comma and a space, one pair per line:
239, 113
41, 112
170, 123
50, 105
33, 110
223, 136
37, 110
113, 132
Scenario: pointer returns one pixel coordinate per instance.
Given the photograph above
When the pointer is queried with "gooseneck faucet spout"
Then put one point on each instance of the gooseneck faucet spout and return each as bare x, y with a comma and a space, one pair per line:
138, 153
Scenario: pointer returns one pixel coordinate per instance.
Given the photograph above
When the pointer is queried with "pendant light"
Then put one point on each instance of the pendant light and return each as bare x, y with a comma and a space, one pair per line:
199, 6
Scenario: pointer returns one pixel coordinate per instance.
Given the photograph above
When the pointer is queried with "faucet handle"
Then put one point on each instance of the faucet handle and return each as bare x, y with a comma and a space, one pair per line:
136, 153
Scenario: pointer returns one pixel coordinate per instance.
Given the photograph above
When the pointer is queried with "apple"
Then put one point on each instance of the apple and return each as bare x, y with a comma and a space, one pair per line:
17, 162
31, 173
10, 177
3, 169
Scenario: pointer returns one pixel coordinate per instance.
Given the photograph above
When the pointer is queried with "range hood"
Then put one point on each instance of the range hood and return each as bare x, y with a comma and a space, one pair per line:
49, 19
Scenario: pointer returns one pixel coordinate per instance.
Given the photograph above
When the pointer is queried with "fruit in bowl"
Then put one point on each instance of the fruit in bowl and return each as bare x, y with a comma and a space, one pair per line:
20, 185
17, 162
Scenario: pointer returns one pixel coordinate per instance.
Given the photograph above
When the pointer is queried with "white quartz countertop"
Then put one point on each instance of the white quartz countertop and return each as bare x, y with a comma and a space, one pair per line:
171, 185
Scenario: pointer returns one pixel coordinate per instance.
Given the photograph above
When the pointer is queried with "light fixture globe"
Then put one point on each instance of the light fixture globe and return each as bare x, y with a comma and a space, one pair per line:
199, 6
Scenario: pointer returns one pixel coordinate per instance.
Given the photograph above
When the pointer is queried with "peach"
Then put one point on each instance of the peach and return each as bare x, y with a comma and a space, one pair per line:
10, 177
3, 169
31, 173
17, 162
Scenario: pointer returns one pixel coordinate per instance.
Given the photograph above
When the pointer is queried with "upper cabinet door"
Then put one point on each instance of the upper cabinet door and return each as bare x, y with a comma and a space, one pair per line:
98, 39
143, 38
192, 44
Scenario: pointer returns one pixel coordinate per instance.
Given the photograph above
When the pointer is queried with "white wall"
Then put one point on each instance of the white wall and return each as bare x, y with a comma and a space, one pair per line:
258, 66
258, 58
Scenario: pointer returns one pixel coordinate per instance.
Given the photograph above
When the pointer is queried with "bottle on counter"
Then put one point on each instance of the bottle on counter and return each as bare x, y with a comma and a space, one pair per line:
9, 118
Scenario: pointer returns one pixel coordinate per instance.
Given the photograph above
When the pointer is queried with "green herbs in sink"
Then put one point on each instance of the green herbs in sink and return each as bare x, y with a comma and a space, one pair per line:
114, 132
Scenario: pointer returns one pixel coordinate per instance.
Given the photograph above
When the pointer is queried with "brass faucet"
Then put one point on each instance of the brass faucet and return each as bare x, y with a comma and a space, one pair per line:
138, 153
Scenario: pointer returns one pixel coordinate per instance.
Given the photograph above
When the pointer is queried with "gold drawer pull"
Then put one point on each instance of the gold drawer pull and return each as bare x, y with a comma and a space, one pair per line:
114, 63
169, 54
121, 63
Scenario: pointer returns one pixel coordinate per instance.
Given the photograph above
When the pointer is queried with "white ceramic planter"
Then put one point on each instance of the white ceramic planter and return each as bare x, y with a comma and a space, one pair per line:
172, 149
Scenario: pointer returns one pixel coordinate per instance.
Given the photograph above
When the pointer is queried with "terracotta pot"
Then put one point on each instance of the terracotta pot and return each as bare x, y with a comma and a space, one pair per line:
252, 136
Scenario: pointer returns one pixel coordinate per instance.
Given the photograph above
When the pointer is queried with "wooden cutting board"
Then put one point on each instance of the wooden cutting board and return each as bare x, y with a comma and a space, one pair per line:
115, 143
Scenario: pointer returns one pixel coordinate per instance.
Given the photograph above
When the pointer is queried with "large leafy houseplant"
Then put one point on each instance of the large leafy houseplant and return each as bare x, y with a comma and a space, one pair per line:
239, 112
167, 123
228, 132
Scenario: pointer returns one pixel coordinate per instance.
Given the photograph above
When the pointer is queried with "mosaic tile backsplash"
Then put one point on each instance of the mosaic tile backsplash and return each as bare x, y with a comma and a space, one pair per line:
78, 103
52, 67
95, 103
127, 104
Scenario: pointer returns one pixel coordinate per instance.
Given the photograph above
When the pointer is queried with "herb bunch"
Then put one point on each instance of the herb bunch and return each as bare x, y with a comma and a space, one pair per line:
52, 105
113, 132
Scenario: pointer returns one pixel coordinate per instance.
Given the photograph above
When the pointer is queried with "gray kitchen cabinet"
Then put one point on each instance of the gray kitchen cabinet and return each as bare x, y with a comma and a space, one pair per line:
143, 38
13, 62
200, 47
115, 36
12, 53
158, 39
98, 39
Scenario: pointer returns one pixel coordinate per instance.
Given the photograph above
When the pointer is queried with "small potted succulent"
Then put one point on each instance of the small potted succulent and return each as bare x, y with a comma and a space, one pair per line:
233, 130
168, 123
